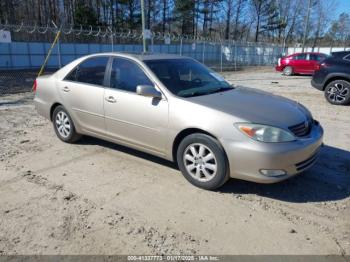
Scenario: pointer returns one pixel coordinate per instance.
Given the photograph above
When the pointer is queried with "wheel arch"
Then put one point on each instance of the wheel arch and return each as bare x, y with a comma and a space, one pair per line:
336, 77
186, 132
291, 67
53, 107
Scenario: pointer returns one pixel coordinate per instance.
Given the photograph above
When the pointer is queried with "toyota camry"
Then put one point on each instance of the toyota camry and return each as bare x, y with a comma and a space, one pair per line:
176, 108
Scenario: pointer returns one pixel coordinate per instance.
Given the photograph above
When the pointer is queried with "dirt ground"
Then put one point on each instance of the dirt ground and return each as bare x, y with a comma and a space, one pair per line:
95, 197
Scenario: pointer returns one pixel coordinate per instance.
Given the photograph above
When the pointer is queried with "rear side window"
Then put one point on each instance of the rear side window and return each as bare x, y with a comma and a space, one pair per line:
91, 71
300, 57
317, 57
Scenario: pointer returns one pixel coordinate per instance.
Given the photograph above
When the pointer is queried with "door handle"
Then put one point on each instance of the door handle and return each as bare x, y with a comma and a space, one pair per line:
66, 89
110, 99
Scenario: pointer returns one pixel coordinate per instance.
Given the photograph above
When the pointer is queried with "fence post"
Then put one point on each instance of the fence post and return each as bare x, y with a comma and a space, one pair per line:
203, 49
263, 55
112, 41
28, 54
180, 45
59, 53
220, 56
235, 54
152, 43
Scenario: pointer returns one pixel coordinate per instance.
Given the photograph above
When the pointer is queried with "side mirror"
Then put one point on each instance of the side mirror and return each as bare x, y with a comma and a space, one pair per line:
147, 90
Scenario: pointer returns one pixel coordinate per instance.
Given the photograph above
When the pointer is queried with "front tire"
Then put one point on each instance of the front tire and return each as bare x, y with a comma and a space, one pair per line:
64, 126
202, 161
288, 71
337, 92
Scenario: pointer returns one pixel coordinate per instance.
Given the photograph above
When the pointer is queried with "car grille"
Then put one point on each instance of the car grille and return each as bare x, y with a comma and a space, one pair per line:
307, 163
301, 129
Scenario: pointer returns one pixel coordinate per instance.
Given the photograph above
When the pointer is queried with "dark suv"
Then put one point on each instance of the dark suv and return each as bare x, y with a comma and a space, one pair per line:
333, 77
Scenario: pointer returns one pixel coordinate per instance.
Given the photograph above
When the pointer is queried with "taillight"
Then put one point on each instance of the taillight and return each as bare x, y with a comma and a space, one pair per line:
319, 66
35, 85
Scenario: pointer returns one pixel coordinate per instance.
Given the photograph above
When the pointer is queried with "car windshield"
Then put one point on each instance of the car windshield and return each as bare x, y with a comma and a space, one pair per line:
186, 77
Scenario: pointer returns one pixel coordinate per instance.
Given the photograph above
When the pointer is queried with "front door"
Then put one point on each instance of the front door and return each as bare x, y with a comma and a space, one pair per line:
300, 63
133, 119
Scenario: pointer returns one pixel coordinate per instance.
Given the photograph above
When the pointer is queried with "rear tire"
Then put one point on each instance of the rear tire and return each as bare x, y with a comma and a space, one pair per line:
64, 126
337, 92
288, 71
202, 161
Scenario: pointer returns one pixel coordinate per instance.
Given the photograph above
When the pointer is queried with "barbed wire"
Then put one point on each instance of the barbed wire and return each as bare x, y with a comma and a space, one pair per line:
107, 31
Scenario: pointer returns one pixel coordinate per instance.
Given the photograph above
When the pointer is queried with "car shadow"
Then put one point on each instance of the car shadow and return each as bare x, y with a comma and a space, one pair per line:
87, 140
295, 75
327, 180
13, 102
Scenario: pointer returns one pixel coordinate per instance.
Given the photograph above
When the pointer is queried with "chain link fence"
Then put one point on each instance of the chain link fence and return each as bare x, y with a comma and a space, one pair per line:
23, 49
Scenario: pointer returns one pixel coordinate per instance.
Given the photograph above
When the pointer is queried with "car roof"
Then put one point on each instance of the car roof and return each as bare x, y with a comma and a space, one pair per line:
142, 56
340, 53
315, 53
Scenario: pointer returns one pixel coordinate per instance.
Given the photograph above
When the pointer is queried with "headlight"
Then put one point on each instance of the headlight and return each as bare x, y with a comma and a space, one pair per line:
265, 133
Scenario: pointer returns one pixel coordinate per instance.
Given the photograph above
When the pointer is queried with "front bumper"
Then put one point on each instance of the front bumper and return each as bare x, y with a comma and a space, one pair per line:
247, 158
318, 86
279, 68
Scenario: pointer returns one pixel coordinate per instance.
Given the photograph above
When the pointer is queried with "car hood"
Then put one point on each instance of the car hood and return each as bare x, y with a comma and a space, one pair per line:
255, 106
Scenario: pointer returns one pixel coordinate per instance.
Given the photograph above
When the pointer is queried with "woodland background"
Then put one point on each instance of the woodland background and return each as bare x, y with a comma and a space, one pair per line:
273, 21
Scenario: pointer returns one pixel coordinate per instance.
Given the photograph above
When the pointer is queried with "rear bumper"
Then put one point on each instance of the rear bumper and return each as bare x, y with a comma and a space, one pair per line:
318, 86
42, 107
248, 158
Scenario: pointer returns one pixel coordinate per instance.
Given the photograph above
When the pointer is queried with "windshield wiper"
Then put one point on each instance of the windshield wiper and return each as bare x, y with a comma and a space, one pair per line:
220, 89
194, 93
201, 93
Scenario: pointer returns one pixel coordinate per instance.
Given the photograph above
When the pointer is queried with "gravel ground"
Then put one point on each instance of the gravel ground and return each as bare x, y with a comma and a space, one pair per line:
95, 197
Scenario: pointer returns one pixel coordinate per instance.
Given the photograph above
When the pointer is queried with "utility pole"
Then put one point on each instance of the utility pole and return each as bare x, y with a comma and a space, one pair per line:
143, 26
306, 28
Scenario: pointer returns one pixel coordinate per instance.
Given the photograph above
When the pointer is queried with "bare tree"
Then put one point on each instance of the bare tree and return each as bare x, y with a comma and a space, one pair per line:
239, 7
228, 14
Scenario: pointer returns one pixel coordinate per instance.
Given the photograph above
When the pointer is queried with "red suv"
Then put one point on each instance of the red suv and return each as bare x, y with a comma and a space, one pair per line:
299, 63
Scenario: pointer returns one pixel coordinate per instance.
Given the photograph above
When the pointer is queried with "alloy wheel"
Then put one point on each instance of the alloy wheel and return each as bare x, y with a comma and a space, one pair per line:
338, 93
63, 124
288, 71
200, 162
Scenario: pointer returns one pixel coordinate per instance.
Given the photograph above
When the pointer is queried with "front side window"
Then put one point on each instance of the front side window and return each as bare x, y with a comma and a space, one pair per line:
90, 71
186, 77
126, 75
300, 57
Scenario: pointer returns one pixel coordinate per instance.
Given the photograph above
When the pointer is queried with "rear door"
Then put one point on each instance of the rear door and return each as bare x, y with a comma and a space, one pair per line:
82, 93
314, 59
131, 118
